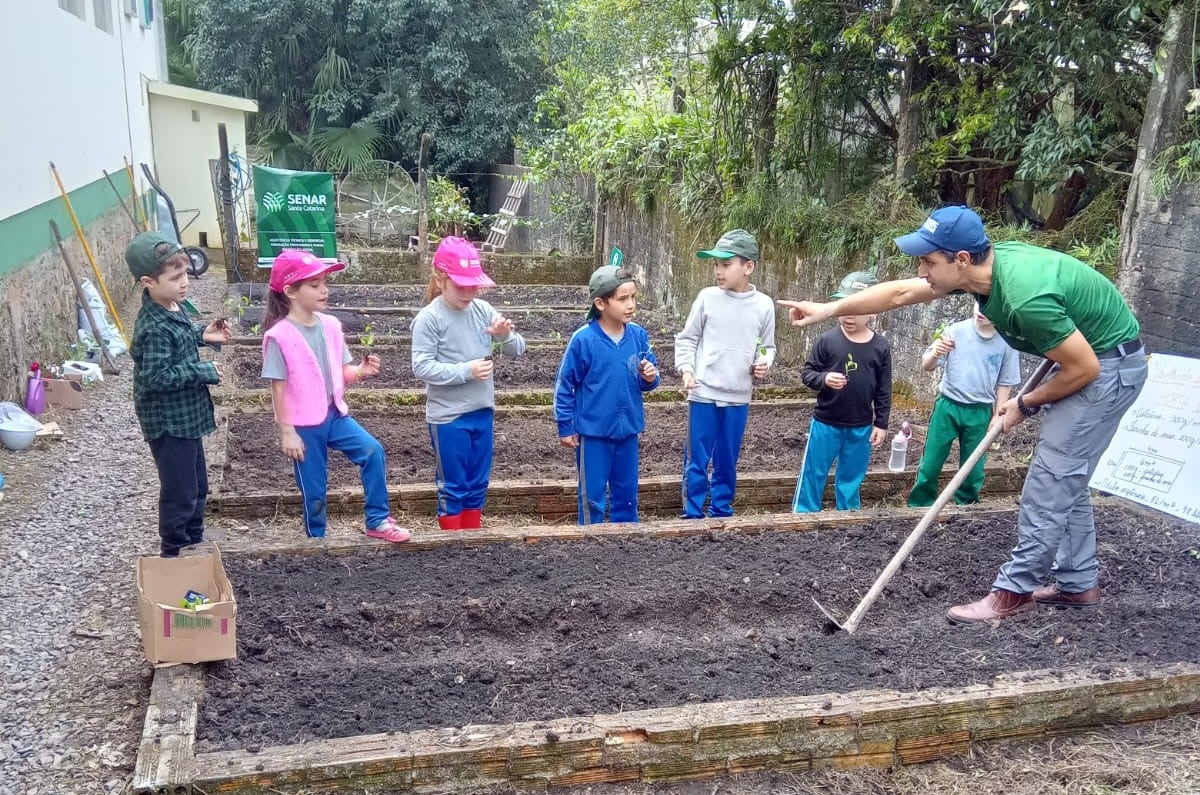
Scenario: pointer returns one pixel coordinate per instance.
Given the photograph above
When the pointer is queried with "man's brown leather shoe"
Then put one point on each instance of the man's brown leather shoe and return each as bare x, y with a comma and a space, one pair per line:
993, 607
1050, 595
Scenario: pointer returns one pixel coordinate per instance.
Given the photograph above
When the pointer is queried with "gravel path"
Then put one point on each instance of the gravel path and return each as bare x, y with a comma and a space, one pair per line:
78, 511
75, 515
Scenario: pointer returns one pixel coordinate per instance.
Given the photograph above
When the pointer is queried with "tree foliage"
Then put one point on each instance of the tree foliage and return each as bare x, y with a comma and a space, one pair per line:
343, 81
1030, 108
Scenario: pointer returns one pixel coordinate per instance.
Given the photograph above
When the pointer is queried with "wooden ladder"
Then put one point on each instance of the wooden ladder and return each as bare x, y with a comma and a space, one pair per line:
498, 234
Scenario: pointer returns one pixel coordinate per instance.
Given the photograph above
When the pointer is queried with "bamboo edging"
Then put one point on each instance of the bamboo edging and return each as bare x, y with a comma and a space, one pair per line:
861, 728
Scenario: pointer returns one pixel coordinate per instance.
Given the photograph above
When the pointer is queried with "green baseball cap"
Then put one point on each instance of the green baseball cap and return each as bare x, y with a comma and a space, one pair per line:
605, 280
855, 283
140, 254
734, 243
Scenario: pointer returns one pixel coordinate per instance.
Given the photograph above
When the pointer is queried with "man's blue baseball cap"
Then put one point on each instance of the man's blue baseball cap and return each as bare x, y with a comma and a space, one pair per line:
955, 229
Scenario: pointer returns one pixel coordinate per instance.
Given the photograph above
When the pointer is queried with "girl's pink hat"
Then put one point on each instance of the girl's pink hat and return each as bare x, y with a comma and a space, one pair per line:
459, 260
293, 265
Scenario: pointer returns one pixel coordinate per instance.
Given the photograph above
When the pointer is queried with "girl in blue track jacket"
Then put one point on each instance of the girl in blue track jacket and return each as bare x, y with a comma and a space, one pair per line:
607, 366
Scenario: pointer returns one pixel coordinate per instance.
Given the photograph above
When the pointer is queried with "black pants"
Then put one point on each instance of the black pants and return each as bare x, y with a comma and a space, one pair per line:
182, 491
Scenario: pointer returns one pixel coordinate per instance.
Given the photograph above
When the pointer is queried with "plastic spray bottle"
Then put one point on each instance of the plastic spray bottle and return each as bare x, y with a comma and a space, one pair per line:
900, 448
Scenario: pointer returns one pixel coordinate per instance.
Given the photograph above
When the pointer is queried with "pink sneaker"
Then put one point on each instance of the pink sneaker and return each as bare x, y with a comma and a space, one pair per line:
389, 531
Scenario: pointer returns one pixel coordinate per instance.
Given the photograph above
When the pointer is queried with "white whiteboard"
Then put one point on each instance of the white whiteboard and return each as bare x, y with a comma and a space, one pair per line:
1154, 458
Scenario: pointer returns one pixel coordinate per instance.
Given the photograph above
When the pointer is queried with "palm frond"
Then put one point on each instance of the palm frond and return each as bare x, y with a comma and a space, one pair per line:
333, 72
343, 149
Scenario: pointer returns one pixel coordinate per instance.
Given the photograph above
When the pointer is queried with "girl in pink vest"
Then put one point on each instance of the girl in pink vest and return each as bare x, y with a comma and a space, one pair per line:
309, 365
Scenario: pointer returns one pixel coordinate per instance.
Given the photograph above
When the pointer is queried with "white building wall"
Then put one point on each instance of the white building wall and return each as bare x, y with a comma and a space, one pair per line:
185, 139
73, 94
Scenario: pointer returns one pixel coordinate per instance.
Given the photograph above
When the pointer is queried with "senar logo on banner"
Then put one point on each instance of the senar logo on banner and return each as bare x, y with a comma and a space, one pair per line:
296, 209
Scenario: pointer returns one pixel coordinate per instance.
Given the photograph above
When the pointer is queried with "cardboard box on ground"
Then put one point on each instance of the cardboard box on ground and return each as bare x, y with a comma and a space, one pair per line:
66, 393
174, 634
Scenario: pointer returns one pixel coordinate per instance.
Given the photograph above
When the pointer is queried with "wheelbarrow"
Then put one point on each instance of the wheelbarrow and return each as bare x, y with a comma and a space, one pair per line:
197, 257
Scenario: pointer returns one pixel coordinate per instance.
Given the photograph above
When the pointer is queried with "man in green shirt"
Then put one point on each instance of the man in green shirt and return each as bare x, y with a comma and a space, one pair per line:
1048, 304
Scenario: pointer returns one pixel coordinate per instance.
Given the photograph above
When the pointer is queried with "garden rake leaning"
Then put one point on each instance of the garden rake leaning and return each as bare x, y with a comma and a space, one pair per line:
856, 617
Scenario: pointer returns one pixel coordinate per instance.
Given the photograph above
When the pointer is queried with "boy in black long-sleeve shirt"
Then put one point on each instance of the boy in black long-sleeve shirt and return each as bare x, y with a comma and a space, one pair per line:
851, 369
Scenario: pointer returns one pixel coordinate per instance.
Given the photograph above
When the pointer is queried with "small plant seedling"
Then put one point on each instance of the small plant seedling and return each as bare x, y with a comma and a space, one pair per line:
1195, 553
649, 350
850, 365
762, 349
940, 331
367, 338
256, 328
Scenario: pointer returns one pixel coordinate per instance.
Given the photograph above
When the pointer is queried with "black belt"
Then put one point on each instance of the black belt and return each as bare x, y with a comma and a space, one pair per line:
1124, 349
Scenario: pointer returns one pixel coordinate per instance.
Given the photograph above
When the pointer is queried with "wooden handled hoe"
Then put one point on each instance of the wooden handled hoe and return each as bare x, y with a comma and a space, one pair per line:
856, 617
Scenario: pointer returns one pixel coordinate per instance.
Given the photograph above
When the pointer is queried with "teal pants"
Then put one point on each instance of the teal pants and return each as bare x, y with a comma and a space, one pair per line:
966, 422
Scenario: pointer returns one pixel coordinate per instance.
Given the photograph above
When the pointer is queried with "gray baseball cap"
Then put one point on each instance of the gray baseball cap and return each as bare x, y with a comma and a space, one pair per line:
855, 283
734, 243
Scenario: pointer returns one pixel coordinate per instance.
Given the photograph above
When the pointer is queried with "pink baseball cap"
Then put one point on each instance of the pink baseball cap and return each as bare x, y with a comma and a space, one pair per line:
293, 265
459, 259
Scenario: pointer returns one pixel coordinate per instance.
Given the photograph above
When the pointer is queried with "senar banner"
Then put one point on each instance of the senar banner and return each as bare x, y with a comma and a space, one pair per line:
296, 209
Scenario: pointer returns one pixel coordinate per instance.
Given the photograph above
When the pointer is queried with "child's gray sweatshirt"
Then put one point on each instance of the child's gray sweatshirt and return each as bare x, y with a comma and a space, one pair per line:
724, 334
444, 343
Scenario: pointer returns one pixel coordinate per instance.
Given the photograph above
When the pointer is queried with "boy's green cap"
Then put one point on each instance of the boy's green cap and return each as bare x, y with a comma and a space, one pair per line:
140, 256
855, 283
604, 280
734, 243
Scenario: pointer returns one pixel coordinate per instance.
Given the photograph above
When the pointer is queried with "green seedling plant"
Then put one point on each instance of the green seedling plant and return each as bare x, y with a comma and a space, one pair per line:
940, 331
367, 338
850, 365
234, 306
256, 328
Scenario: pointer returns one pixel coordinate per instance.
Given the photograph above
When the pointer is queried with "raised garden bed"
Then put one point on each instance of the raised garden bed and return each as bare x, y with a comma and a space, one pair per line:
527, 446
556, 500
536, 368
411, 295
532, 323
622, 655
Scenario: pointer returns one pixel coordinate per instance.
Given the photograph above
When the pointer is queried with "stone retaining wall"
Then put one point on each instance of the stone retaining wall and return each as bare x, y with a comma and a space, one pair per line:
38, 306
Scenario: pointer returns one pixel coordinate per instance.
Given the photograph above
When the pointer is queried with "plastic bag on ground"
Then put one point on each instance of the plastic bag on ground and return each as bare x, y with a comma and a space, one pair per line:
108, 330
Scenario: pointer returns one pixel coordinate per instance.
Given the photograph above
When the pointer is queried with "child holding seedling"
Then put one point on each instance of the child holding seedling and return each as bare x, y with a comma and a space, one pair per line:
306, 359
851, 369
170, 387
727, 343
455, 337
979, 370
607, 366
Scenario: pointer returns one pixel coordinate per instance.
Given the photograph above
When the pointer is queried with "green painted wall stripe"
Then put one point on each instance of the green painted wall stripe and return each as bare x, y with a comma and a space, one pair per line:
27, 234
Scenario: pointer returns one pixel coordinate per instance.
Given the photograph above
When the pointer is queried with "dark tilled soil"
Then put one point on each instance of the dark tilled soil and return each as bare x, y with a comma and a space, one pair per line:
553, 324
536, 369
333, 647
384, 295
527, 447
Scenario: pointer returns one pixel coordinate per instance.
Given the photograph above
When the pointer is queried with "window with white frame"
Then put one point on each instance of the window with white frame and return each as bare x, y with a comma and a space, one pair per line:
103, 13
73, 6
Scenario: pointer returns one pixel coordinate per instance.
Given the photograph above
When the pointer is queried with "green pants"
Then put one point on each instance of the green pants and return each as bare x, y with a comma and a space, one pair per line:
967, 422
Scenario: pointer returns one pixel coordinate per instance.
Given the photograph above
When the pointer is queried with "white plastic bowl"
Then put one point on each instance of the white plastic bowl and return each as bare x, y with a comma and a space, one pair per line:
17, 439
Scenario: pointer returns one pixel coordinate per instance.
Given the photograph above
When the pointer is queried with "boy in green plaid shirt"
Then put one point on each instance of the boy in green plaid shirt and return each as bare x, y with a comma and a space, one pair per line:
170, 387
